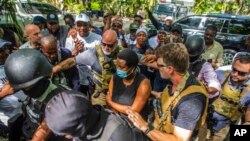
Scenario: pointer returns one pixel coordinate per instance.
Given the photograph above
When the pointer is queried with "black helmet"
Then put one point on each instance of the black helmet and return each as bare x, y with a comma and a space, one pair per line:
195, 46
26, 67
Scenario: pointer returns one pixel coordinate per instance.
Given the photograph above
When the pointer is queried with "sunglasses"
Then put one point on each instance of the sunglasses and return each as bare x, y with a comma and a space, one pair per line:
240, 73
52, 23
137, 20
108, 45
161, 65
118, 26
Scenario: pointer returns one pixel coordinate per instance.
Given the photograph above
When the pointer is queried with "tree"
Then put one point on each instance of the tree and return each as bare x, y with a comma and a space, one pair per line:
222, 6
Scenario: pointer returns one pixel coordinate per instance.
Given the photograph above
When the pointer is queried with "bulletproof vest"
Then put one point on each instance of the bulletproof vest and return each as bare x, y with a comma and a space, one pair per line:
194, 68
108, 68
227, 103
169, 102
34, 111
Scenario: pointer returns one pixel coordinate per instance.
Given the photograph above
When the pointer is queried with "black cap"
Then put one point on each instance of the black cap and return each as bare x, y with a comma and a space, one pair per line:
39, 20
71, 113
52, 17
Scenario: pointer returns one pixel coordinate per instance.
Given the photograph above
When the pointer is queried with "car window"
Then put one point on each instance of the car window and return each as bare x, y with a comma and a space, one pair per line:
39, 8
190, 22
237, 26
218, 22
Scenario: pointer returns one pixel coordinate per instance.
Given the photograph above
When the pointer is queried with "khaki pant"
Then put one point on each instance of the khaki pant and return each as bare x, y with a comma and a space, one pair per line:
218, 136
221, 134
100, 100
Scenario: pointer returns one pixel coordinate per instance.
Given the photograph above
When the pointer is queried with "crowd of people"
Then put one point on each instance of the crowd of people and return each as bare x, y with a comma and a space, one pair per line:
81, 82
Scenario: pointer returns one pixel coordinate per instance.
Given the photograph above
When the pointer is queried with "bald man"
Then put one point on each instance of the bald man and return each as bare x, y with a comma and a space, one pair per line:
101, 60
32, 34
55, 55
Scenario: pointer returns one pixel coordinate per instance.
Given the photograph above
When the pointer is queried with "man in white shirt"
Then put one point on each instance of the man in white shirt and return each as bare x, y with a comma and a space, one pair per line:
82, 36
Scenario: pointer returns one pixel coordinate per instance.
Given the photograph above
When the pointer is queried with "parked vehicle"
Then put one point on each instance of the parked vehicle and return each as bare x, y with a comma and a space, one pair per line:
232, 30
162, 10
25, 10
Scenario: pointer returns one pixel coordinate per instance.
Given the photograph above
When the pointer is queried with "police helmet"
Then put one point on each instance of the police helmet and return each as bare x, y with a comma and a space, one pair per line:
195, 46
26, 67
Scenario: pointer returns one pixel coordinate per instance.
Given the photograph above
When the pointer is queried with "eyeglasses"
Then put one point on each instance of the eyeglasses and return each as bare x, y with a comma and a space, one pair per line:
108, 45
136, 20
161, 65
241, 73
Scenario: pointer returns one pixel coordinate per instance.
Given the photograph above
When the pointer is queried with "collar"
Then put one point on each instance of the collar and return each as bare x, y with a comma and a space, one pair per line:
182, 85
48, 90
210, 46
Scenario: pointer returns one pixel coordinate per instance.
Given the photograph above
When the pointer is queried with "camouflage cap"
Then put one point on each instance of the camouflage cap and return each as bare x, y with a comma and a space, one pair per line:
133, 26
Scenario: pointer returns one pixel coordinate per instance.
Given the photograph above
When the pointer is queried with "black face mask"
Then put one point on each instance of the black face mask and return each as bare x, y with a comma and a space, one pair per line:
38, 89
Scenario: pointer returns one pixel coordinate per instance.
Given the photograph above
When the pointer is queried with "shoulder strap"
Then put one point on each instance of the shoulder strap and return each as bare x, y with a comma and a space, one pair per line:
226, 76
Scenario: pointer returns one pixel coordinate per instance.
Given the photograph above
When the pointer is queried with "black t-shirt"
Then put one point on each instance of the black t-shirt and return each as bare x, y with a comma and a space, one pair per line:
125, 95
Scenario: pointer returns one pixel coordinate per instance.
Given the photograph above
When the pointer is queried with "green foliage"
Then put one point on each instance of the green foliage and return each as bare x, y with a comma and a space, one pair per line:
7, 6
222, 6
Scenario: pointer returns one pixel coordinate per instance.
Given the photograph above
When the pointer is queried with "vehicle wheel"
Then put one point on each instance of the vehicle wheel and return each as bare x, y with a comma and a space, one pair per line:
228, 56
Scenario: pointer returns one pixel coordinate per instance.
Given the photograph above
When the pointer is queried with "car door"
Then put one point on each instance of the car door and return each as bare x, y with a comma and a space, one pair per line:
190, 24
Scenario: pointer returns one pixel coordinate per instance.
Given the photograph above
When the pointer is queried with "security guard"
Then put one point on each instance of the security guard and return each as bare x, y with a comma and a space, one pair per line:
172, 121
201, 68
29, 70
102, 61
234, 95
86, 122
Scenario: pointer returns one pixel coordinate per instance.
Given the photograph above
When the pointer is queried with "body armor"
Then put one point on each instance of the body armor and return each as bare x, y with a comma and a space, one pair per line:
108, 69
227, 103
164, 122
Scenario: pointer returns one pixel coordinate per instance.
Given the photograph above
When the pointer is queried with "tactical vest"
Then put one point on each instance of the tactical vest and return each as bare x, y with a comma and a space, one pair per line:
164, 123
227, 103
34, 111
108, 69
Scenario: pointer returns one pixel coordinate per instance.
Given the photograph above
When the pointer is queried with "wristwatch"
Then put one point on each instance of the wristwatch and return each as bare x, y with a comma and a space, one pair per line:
149, 128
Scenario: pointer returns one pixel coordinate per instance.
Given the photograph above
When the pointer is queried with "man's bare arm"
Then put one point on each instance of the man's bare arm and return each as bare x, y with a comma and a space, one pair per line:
64, 65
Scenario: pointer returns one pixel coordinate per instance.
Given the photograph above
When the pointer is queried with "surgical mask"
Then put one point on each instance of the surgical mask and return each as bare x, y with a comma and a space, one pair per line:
122, 74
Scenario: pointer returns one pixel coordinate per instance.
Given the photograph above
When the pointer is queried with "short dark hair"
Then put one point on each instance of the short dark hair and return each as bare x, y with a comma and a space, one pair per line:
212, 27
69, 16
174, 54
129, 56
243, 57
